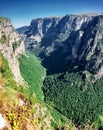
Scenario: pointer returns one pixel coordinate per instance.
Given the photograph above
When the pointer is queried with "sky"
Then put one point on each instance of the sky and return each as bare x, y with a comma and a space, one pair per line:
21, 12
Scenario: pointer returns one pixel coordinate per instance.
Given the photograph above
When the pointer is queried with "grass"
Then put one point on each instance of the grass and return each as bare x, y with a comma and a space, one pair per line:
5, 73
8, 98
59, 120
19, 117
7, 78
33, 73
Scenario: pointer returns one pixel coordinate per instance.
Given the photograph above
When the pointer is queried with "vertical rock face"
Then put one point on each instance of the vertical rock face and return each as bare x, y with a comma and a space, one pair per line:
40, 27
11, 46
79, 37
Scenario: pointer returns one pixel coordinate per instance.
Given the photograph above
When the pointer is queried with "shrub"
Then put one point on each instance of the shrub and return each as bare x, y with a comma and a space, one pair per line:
3, 39
8, 99
15, 45
1, 20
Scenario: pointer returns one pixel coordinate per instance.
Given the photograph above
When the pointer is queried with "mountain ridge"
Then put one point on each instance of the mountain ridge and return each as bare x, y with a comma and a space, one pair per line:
71, 51
68, 33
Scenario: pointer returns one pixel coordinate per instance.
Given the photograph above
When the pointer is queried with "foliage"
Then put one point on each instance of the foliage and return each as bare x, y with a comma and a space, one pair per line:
32, 115
33, 73
59, 120
15, 117
6, 74
100, 120
23, 116
1, 20
80, 101
15, 45
20, 117
3, 39
8, 98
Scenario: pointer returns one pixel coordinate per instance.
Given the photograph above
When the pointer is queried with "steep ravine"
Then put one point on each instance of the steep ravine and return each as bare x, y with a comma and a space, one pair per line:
21, 78
77, 39
71, 50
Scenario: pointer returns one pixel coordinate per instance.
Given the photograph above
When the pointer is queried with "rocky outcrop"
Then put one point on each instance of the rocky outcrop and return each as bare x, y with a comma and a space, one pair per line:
80, 37
4, 124
11, 46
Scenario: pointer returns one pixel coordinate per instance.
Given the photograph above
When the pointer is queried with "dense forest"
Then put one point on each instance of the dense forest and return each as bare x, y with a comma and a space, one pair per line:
79, 100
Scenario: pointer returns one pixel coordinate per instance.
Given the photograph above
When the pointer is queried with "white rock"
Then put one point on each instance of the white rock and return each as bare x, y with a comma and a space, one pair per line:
3, 123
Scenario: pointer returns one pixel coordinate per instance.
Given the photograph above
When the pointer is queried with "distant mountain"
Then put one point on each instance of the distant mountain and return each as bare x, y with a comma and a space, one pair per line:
22, 29
73, 41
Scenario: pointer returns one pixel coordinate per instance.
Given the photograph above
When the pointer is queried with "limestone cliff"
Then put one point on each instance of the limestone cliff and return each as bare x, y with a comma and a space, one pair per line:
11, 46
79, 37
40, 27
